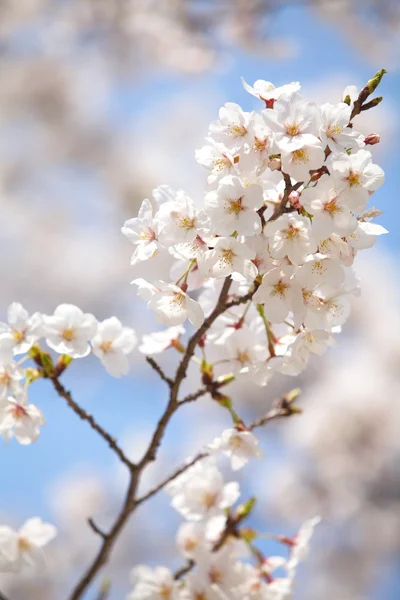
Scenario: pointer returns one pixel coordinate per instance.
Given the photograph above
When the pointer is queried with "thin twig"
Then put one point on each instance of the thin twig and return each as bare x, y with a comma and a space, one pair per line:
194, 396
96, 528
159, 370
171, 477
63, 393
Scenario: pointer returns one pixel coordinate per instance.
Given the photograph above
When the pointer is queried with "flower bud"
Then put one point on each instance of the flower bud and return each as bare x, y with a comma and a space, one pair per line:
294, 199
372, 139
274, 164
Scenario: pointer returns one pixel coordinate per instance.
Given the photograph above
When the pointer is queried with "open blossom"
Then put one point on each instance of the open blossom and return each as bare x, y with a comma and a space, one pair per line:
69, 330
301, 542
20, 420
279, 294
330, 213
364, 235
290, 235
239, 446
112, 344
20, 333
201, 491
355, 177
334, 130
231, 127
217, 159
267, 91
298, 163
243, 350
227, 257
24, 548
293, 122
10, 377
154, 343
142, 231
179, 221
172, 306
153, 584
232, 207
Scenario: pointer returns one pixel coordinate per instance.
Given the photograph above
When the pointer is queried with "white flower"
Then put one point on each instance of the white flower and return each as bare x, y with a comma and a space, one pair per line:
112, 344
153, 584
298, 163
355, 177
201, 492
217, 159
232, 207
23, 548
279, 293
10, 376
231, 128
290, 235
365, 234
293, 122
243, 351
143, 232
334, 131
239, 446
301, 543
265, 90
154, 343
69, 330
330, 214
320, 270
21, 332
172, 306
262, 259
20, 420
228, 256
179, 222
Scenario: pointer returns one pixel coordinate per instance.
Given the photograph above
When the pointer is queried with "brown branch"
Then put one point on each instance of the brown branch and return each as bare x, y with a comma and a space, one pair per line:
194, 396
159, 370
63, 393
96, 529
130, 502
3, 596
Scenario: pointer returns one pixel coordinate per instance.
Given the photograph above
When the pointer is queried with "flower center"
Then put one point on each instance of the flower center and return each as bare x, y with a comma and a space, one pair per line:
215, 575
19, 336
318, 268
243, 357
239, 130
259, 145
332, 207
185, 223
354, 178
300, 156
292, 129
291, 232
227, 255
106, 345
165, 592
333, 131
18, 412
280, 289
23, 544
147, 234
234, 206
68, 334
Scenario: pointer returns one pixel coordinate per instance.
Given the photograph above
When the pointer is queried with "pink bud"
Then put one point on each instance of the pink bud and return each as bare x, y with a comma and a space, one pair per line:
294, 198
372, 139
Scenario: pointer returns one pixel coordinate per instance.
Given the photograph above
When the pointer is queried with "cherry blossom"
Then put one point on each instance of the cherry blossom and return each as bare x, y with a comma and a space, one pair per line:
20, 420
112, 344
292, 236
24, 548
239, 446
69, 330
21, 332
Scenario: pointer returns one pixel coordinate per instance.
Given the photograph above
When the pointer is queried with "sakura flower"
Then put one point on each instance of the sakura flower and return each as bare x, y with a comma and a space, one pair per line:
290, 235
279, 294
355, 177
364, 236
153, 584
69, 330
179, 221
10, 377
142, 231
217, 159
320, 270
300, 544
267, 91
231, 127
24, 548
201, 492
334, 130
172, 306
239, 446
227, 257
21, 332
314, 341
20, 420
330, 213
232, 207
262, 259
112, 344
154, 343
243, 351
298, 163
261, 140
293, 123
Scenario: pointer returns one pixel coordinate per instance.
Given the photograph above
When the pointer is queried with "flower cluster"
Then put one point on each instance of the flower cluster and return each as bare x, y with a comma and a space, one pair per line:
284, 215
223, 560
70, 333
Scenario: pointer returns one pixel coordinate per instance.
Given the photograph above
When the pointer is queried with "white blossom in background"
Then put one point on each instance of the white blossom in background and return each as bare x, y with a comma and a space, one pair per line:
24, 548
154, 343
19, 419
20, 333
112, 344
239, 446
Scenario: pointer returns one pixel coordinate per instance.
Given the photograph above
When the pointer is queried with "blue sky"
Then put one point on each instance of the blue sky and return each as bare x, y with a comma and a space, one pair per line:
67, 442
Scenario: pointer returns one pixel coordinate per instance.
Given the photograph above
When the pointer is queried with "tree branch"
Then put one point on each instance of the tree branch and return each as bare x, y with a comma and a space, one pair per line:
159, 370
63, 393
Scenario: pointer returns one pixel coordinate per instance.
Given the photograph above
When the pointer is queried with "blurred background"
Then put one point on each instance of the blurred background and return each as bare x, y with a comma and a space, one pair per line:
101, 101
